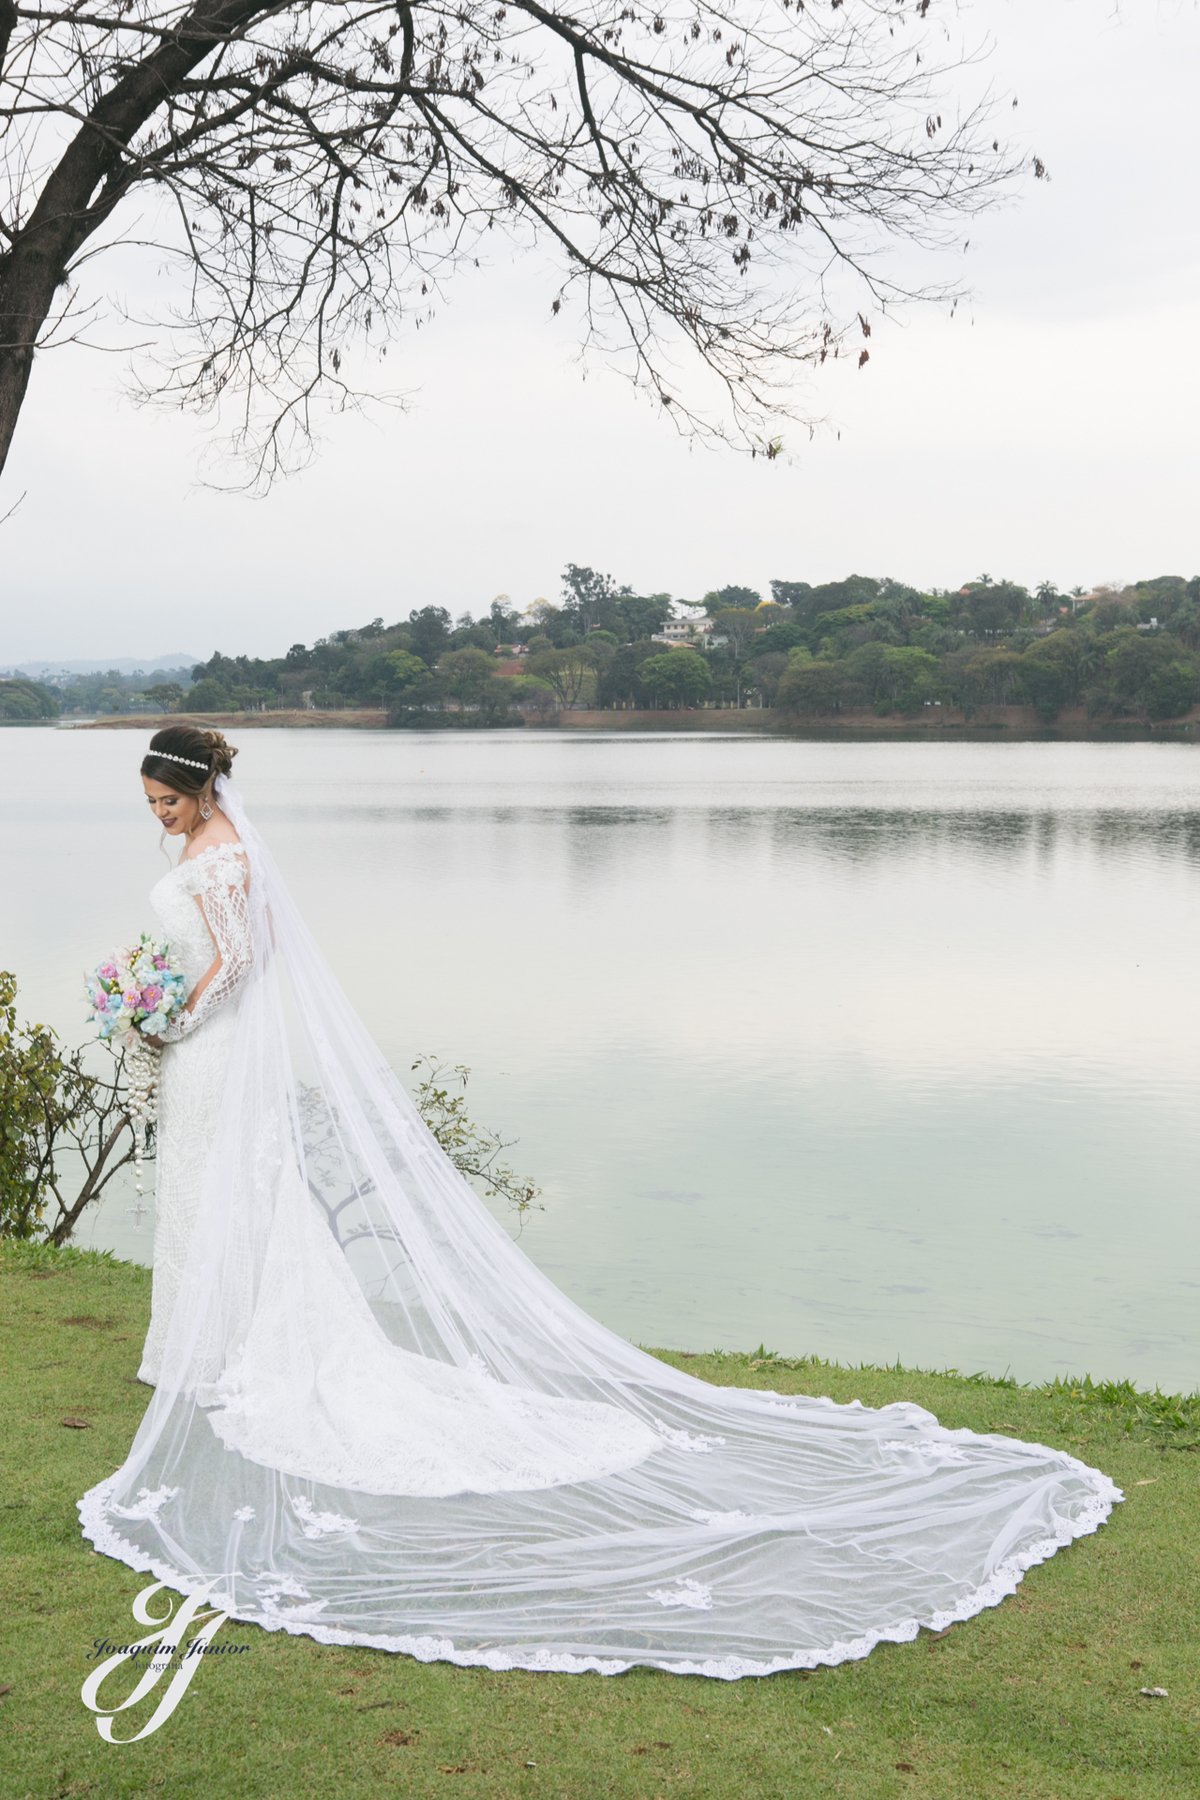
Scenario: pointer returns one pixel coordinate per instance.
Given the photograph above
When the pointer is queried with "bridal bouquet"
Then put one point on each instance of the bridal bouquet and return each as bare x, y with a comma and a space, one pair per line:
136, 989
132, 995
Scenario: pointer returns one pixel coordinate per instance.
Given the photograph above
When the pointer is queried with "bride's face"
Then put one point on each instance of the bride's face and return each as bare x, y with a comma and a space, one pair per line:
176, 813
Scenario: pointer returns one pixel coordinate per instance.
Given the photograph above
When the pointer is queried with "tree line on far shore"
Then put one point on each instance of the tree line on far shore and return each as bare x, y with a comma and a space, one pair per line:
806, 650
26, 701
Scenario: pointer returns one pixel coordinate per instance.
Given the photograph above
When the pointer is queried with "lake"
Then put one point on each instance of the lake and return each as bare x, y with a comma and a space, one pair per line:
873, 1050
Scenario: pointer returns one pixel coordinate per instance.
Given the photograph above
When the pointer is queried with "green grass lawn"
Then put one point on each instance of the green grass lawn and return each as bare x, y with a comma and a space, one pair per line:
1038, 1698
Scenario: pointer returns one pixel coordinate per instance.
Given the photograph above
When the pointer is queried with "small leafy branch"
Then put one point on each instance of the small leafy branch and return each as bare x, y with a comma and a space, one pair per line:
55, 1114
340, 1184
474, 1151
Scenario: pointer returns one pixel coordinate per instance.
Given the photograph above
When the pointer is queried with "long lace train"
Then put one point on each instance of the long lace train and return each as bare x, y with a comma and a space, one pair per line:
377, 1422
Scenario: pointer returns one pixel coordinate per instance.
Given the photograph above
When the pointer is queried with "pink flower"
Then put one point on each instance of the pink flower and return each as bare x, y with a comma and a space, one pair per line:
151, 997
107, 971
132, 999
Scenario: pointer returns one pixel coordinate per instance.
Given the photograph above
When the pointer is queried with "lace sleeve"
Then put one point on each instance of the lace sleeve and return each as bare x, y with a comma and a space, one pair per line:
223, 901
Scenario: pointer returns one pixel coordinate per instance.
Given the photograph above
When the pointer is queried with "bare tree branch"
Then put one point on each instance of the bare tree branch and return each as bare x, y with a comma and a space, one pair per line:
712, 176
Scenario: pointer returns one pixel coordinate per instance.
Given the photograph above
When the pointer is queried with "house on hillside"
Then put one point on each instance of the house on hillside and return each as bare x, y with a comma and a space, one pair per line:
695, 634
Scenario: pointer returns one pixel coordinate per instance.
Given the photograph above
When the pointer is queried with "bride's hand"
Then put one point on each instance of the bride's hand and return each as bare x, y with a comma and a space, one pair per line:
156, 1042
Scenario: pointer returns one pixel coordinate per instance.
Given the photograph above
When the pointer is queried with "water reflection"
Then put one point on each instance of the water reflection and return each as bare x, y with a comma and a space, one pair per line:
842, 833
877, 1050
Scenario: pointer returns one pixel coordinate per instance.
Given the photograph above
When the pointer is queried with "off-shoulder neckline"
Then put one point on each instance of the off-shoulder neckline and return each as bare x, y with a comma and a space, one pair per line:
210, 850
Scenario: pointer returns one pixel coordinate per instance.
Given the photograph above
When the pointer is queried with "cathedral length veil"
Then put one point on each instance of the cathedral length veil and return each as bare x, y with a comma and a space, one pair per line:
378, 1423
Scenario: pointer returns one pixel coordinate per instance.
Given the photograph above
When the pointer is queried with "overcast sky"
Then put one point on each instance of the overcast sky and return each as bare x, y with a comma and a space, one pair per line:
1047, 430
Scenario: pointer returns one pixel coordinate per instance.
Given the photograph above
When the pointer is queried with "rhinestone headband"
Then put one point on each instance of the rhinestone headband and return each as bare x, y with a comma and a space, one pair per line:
165, 756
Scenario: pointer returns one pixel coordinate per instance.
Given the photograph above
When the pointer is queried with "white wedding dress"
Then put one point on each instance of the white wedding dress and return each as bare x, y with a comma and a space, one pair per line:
314, 1387
200, 906
376, 1422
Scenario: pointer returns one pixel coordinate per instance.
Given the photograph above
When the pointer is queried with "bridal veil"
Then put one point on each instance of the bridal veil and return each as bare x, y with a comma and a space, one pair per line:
378, 1423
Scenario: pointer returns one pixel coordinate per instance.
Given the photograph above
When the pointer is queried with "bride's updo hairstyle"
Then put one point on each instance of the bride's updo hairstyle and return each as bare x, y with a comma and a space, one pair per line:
186, 758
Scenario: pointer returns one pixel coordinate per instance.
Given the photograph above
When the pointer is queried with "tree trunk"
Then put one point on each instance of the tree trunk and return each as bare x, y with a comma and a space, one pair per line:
25, 296
91, 177
94, 1184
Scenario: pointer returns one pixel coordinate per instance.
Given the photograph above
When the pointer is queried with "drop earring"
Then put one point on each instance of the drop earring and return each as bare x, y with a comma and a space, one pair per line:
206, 811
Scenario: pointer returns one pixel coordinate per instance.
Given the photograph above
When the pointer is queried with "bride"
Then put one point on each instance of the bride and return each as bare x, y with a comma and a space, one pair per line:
374, 1421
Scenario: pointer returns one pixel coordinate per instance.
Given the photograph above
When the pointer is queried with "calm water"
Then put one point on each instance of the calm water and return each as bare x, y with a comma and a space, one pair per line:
878, 1051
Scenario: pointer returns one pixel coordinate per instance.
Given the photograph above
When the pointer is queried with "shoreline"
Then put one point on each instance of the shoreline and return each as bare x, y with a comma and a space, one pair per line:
1008, 724
1152, 1409
1094, 1652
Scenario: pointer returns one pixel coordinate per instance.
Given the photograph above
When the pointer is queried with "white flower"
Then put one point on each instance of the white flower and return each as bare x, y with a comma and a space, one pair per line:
278, 1587
320, 1524
684, 1440
685, 1593
928, 1449
148, 1504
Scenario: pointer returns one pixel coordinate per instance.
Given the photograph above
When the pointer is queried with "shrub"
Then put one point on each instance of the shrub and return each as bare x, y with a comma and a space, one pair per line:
817, 687
21, 699
51, 1108
209, 696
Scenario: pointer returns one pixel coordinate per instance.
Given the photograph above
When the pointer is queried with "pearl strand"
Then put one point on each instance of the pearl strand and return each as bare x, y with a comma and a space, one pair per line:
141, 1074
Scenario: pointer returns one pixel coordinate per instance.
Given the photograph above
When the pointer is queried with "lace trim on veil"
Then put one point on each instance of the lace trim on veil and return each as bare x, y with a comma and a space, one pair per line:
1005, 1581
487, 1476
